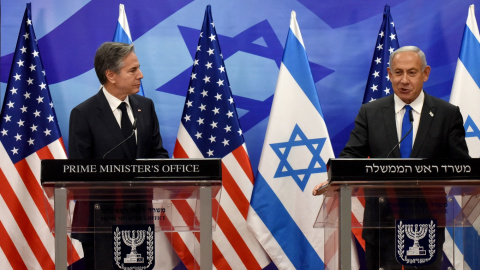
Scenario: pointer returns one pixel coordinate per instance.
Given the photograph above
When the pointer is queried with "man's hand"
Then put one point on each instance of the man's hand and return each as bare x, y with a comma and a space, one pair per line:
320, 188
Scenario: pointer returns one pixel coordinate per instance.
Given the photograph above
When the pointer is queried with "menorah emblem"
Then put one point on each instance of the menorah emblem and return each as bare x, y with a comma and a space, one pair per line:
140, 238
419, 233
133, 240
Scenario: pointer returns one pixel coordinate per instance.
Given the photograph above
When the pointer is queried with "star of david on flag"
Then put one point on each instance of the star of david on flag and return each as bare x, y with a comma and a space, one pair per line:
378, 83
466, 83
466, 95
285, 153
296, 145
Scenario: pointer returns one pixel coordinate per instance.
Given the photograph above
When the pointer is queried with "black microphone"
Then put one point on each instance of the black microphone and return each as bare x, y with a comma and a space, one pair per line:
410, 115
134, 127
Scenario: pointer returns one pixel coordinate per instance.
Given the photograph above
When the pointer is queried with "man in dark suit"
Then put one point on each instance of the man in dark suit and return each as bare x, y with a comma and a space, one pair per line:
113, 124
95, 124
437, 133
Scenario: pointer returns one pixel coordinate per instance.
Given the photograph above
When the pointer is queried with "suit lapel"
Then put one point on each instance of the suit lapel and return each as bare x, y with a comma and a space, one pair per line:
426, 118
107, 118
390, 126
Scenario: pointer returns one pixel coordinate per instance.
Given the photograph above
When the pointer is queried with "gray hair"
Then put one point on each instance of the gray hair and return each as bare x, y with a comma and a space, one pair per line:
110, 56
410, 49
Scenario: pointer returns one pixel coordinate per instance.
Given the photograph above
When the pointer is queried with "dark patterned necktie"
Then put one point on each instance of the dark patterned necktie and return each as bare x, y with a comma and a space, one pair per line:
127, 129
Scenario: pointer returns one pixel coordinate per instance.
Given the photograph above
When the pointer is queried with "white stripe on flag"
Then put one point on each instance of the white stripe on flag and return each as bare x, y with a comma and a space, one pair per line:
187, 143
122, 33
466, 83
288, 98
28, 240
19, 240
239, 222
34, 216
357, 209
242, 180
218, 135
57, 150
3, 258
293, 161
221, 240
454, 255
122, 20
466, 95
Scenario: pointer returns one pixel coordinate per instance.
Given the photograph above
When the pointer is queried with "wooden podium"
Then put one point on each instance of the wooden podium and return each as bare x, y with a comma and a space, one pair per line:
449, 188
147, 180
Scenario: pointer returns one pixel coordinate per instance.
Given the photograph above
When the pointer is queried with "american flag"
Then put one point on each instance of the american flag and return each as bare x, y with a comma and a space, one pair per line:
210, 129
29, 132
378, 83
378, 86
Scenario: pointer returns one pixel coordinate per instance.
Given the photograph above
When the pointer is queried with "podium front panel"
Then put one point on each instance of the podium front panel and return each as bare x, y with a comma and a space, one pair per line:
117, 208
403, 221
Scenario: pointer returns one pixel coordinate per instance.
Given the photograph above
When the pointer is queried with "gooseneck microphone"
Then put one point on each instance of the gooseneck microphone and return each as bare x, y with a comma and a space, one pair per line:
410, 116
134, 127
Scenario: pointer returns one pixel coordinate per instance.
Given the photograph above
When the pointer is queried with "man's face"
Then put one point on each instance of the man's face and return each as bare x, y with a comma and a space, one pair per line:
406, 75
127, 81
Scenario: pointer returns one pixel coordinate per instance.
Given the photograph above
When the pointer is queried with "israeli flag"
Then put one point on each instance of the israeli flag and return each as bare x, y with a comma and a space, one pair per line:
293, 160
466, 95
122, 33
466, 83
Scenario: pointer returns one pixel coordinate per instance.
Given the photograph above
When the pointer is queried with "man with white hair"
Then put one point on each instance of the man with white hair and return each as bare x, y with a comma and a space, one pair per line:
436, 129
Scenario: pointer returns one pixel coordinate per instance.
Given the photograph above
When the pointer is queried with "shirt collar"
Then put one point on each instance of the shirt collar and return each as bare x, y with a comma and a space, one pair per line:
113, 101
416, 105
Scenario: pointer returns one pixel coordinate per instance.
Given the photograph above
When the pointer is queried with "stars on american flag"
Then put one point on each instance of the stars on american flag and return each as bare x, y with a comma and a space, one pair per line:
378, 83
209, 114
28, 121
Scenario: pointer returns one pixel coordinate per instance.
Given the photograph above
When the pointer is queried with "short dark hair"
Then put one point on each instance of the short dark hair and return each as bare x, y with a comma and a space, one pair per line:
109, 56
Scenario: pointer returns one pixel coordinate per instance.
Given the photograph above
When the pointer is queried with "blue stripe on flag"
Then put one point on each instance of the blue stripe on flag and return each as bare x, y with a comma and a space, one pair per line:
457, 209
471, 247
120, 35
470, 55
283, 227
453, 211
466, 239
296, 61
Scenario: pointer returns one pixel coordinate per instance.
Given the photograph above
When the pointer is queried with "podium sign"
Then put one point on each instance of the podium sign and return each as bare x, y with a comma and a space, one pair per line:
416, 210
117, 193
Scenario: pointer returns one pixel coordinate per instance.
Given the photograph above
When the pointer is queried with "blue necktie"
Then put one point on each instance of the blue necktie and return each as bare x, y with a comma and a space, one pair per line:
406, 145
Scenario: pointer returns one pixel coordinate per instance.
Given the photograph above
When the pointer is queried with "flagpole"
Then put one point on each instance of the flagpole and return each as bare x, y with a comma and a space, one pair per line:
206, 261
345, 215
60, 200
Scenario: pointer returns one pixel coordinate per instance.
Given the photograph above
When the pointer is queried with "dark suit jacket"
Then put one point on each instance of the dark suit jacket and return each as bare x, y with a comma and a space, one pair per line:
94, 130
440, 135
440, 132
